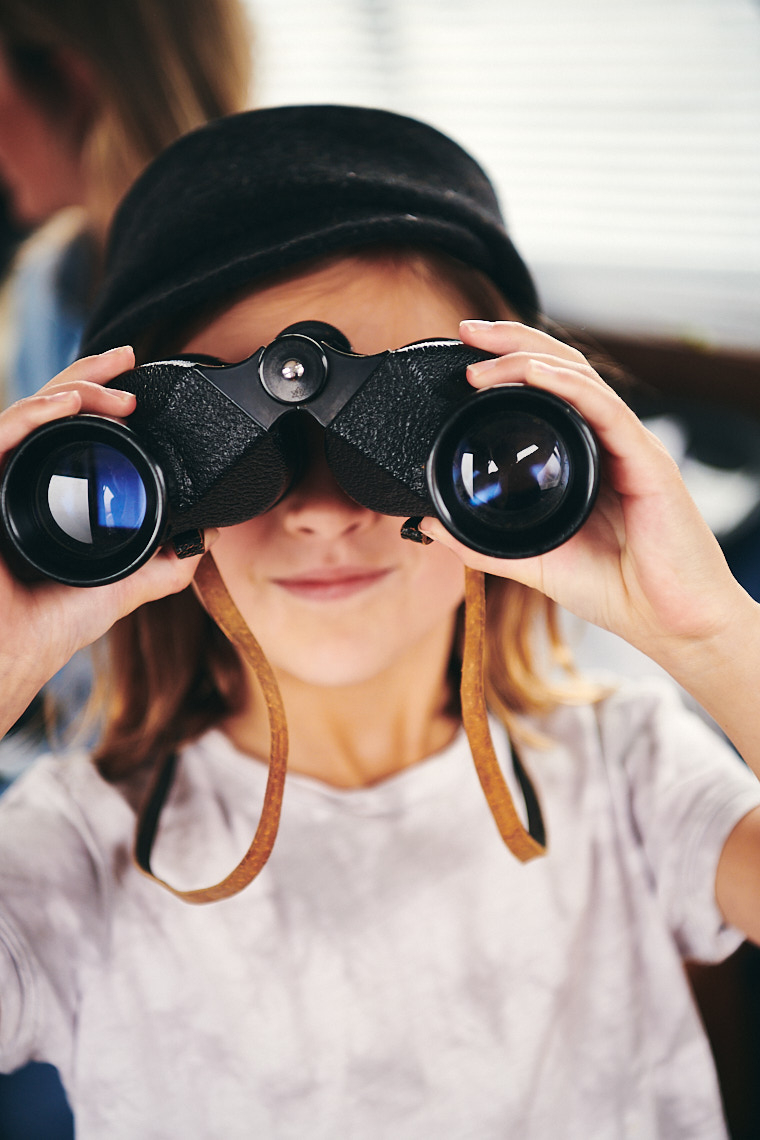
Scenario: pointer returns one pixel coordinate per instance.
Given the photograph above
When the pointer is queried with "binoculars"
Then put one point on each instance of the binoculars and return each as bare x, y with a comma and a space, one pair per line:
511, 471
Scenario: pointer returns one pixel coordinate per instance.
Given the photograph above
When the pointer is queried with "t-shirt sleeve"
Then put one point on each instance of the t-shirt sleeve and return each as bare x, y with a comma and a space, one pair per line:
52, 906
686, 790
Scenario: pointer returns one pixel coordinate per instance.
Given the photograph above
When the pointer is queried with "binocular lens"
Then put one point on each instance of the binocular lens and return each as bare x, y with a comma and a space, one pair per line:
81, 502
514, 472
511, 475
90, 496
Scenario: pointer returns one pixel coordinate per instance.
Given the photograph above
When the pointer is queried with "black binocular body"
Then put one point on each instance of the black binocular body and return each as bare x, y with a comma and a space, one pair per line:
511, 471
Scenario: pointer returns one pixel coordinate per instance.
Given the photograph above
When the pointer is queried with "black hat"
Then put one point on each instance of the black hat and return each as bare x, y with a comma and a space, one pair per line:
253, 193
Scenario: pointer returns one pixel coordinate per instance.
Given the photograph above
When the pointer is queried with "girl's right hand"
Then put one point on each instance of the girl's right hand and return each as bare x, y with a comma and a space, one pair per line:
45, 623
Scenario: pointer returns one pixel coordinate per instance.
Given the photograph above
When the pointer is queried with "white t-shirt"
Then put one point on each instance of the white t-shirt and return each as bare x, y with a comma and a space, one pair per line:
394, 971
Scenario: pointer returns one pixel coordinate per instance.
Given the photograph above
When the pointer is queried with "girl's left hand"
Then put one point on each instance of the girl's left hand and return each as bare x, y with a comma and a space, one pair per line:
645, 564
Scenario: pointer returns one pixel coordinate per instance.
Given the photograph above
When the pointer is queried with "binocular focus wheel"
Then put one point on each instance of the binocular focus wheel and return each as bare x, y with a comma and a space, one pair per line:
293, 369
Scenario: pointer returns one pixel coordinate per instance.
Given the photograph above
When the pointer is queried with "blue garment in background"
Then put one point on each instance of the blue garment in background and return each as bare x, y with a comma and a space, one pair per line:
51, 293
33, 1106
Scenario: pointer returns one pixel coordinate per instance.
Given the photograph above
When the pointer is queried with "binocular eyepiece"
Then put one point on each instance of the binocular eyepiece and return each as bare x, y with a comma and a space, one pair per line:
511, 471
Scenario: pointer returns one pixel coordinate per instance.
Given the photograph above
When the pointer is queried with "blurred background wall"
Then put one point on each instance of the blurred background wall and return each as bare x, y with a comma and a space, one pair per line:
624, 135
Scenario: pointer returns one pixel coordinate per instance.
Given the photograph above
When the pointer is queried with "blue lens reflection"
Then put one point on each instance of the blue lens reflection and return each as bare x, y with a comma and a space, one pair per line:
512, 472
95, 495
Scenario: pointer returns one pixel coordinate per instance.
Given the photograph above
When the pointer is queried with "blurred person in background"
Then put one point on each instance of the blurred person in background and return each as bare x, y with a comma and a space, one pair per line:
89, 94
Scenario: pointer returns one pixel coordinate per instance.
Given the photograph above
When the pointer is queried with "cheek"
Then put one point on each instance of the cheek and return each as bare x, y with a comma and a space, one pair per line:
242, 554
437, 582
347, 642
407, 624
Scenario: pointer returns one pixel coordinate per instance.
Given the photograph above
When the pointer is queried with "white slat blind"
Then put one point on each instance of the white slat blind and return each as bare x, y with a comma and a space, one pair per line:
624, 135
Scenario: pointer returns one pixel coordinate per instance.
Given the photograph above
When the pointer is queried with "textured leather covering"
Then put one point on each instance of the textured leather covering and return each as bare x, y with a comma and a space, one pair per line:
378, 445
222, 468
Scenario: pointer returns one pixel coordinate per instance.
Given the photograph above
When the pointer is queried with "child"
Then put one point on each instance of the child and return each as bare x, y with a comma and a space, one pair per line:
393, 971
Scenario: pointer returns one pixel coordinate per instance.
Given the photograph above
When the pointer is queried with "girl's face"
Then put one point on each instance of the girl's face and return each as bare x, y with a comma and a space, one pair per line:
331, 591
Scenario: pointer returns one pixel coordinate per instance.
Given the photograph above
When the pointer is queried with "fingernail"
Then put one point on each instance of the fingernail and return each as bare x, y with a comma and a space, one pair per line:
121, 348
481, 366
475, 325
60, 396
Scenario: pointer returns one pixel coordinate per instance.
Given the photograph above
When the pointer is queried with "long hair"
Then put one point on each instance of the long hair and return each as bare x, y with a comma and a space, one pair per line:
162, 67
171, 674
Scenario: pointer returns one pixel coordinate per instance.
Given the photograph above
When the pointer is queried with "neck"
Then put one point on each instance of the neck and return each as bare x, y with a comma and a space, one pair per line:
355, 735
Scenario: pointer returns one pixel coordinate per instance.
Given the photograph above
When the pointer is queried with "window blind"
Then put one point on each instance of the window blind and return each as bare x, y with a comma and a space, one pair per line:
623, 137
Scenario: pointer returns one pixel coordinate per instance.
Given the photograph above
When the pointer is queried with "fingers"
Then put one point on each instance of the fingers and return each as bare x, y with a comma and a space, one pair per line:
23, 417
636, 459
523, 569
94, 369
513, 368
79, 388
637, 462
88, 377
516, 347
164, 574
95, 399
83, 615
504, 337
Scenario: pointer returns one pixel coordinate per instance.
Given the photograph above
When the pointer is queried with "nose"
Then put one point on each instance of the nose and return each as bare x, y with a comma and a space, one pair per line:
317, 506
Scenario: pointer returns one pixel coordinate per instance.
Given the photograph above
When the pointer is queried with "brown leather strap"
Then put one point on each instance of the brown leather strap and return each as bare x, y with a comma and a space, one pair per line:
225, 613
475, 718
221, 607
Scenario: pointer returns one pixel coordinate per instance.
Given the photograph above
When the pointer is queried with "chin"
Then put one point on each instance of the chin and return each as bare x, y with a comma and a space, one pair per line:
334, 670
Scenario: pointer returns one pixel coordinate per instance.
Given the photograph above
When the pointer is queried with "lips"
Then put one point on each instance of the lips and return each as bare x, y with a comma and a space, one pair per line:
333, 584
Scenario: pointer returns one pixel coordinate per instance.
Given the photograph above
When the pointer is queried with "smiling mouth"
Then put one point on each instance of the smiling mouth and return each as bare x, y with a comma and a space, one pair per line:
331, 585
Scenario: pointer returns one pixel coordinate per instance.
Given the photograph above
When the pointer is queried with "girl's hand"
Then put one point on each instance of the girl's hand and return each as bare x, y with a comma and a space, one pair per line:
645, 564
44, 623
